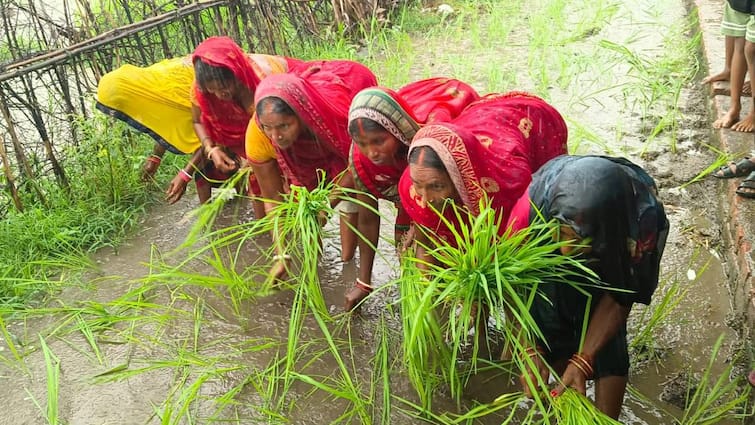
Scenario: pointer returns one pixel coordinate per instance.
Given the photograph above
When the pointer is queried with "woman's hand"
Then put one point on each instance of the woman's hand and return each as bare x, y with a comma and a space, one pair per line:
176, 189
572, 378
221, 160
529, 380
279, 271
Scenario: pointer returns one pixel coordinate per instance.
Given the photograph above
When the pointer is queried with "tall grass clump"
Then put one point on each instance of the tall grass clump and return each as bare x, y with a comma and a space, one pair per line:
48, 243
476, 273
717, 398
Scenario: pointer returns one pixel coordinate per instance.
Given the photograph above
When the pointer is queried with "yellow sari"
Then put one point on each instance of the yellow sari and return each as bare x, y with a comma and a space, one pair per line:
157, 99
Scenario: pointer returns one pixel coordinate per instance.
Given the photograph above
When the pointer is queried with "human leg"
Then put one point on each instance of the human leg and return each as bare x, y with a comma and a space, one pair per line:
734, 26
748, 123
724, 74
738, 71
609, 394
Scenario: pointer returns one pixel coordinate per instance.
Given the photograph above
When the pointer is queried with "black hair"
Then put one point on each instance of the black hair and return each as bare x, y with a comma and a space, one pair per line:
205, 73
279, 106
366, 125
429, 159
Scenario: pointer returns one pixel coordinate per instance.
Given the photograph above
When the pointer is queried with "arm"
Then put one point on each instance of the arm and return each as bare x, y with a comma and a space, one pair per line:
345, 180
369, 227
214, 152
609, 316
420, 242
177, 186
271, 182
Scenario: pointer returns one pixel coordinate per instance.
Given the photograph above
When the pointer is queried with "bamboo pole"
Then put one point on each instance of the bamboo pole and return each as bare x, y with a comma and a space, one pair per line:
23, 162
11, 182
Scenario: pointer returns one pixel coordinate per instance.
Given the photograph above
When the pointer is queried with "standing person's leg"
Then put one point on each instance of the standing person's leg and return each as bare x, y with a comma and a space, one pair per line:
748, 123
734, 25
725, 74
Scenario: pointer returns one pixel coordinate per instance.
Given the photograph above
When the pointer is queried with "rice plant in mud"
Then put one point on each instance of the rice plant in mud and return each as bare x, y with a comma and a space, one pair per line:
477, 274
296, 228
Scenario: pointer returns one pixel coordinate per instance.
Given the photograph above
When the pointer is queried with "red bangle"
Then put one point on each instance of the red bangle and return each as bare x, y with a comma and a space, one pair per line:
186, 177
363, 286
154, 159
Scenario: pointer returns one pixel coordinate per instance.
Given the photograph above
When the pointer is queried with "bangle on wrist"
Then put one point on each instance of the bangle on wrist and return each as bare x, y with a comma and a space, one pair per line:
211, 150
185, 176
155, 159
583, 362
363, 286
281, 257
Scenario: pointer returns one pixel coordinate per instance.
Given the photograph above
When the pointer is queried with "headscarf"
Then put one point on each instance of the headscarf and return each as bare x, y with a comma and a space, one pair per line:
320, 94
612, 203
224, 120
402, 114
490, 151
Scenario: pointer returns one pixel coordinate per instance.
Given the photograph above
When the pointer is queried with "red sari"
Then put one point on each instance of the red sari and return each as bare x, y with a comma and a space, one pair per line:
319, 93
224, 120
490, 150
402, 113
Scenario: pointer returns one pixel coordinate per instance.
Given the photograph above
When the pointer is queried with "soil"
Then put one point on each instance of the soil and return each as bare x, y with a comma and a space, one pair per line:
695, 257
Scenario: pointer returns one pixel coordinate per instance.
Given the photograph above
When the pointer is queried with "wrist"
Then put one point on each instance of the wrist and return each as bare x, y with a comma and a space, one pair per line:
185, 176
583, 362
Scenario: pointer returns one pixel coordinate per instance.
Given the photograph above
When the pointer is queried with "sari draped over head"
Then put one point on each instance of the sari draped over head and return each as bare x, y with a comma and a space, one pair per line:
490, 152
612, 203
225, 121
402, 113
320, 94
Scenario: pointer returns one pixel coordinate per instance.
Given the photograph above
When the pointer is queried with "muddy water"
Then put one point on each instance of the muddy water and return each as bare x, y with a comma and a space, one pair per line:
225, 335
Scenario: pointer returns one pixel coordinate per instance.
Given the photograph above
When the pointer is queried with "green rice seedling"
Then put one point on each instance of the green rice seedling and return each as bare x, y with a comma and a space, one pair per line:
717, 399
573, 408
509, 402
52, 365
10, 343
722, 158
479, 271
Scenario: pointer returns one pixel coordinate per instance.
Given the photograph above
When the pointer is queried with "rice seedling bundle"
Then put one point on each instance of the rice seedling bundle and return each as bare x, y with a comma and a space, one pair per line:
477, 272
573, 408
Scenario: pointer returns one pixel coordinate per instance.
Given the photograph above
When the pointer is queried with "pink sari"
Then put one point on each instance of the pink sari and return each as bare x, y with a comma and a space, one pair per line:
489, 151
319, 93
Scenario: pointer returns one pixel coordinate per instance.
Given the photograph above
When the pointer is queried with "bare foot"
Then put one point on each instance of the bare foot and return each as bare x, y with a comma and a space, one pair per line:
721, 76
727, 120
746, 125
354, 297
279, 272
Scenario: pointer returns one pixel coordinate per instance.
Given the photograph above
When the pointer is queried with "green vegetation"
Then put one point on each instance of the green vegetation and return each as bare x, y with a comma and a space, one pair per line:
191, 327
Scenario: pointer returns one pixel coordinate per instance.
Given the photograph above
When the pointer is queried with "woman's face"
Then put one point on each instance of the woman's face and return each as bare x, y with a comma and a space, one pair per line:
567, 233
379, 146
223, 90
434, 187
282, 129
